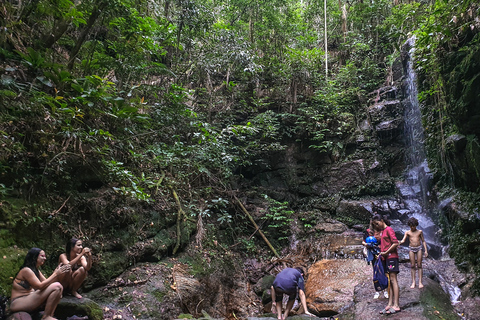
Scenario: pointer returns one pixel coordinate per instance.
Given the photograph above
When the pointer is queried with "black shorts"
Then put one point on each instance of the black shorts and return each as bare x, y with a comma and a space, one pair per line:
391, 265
279, 295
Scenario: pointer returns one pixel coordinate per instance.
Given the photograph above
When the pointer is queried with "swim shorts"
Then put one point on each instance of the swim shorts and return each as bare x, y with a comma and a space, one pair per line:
391, 265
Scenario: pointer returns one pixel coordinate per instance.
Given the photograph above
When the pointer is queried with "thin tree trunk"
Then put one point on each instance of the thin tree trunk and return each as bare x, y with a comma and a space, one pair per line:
326, 43
81, 39
257, 227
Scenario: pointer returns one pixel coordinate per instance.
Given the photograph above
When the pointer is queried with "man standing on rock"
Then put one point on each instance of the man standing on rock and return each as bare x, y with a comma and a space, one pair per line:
288, 281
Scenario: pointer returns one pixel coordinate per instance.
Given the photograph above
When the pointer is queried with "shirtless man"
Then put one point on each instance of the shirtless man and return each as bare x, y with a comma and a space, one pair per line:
416, 240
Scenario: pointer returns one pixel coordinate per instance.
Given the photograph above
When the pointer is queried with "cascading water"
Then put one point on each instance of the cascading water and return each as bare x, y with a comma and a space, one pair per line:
415, 190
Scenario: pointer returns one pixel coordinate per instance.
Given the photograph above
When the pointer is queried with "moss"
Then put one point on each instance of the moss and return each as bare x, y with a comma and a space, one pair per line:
159, 295
435, 305
11, 259
111, 265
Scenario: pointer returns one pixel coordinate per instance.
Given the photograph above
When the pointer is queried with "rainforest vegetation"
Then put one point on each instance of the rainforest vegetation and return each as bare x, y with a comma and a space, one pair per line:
135, 124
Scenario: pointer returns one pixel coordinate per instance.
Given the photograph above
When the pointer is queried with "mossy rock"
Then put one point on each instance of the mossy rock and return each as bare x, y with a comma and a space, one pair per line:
263, 287
111, 264
436, 303
70, 306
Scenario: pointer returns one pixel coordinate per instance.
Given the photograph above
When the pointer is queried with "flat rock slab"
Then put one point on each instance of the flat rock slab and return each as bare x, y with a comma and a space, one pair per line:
430, 302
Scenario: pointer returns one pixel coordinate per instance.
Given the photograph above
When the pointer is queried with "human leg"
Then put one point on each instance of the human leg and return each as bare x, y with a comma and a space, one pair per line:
393, 270
288, 308
277, 301
65, 280
53, 300
77, 279
420, 270
412, 268
395, 290
50, 296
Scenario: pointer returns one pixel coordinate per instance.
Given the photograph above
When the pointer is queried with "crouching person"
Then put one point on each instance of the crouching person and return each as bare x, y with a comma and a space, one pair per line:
288, 281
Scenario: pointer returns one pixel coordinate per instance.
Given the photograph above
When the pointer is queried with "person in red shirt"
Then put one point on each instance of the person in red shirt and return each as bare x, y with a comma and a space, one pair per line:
389, 256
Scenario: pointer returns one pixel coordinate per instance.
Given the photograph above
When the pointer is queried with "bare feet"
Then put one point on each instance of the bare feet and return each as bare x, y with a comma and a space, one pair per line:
412, 286
76, 295
49, 318
420, 285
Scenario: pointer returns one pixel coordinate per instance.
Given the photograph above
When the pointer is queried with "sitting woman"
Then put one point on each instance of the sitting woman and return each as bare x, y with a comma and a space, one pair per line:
31, 289
80, 260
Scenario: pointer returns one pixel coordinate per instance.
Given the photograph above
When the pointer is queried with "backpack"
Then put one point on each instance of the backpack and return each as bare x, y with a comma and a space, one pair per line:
380, 279
3, 307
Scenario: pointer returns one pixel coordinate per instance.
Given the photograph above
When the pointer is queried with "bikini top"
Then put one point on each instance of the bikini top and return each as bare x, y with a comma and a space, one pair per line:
23, 283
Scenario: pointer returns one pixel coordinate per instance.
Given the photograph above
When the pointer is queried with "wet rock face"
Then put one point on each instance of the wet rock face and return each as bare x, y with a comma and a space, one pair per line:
330, 285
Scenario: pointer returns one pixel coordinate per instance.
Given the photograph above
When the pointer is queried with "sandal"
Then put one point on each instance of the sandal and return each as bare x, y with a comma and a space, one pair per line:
392, 311
384, 311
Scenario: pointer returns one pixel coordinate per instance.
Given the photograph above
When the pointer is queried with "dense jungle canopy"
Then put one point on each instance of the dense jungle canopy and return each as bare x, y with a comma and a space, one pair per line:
141, 126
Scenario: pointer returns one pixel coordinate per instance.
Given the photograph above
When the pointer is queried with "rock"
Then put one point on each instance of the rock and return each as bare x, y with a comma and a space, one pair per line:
262, 288
361, 210
330, 285
70, 306
331, 227
431, 302
457, 142
20, 316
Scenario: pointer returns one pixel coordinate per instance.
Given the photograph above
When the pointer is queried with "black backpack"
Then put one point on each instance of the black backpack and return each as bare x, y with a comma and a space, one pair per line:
3, 307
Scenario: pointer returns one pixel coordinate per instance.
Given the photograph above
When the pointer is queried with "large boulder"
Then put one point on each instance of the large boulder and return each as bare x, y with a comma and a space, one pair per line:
70, 306
330, 285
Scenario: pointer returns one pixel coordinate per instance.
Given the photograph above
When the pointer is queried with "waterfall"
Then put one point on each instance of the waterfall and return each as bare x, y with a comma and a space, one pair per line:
418, 173
415, 189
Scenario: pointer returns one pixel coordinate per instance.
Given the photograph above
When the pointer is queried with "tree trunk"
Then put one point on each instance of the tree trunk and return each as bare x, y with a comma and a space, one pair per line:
81, 39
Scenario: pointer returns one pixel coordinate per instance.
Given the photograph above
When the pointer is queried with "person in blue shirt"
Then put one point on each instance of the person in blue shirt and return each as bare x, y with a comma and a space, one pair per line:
288, 281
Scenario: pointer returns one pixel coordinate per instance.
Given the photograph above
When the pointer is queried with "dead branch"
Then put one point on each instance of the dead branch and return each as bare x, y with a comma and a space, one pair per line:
58, 210
257, 227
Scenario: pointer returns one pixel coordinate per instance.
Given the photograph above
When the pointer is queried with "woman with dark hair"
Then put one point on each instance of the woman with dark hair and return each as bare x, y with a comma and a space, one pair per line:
389, 256
31, 289
80, 260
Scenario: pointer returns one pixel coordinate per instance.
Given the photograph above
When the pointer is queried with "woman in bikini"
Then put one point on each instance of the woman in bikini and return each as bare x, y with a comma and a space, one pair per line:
31, 290
80, 260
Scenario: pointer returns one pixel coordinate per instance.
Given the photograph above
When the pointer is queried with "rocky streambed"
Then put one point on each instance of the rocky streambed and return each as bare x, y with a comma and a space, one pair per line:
339, 286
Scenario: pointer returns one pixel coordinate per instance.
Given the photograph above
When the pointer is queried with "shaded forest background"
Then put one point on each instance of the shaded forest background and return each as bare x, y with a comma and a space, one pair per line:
135, 125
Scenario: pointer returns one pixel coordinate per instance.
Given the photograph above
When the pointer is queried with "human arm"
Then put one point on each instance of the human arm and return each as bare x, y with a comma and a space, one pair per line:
405, 236
79, 259
42, 282
422, 238
86, 260
303, 300
394, 242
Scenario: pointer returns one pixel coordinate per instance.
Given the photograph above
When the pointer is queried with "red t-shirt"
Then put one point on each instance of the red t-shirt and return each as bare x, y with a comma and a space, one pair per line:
388, 238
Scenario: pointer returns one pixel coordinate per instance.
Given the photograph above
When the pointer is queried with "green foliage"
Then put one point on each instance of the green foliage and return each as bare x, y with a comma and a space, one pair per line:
278, 218
131, 184
11, 259
33, 59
